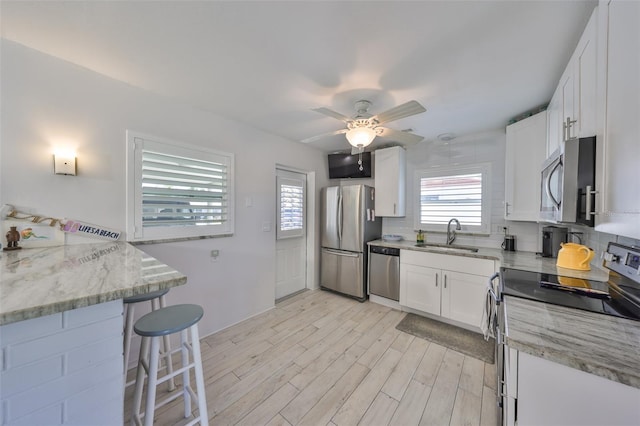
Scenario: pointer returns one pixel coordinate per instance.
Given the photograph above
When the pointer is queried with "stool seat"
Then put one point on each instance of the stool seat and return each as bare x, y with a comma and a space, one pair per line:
146, 296
168, 320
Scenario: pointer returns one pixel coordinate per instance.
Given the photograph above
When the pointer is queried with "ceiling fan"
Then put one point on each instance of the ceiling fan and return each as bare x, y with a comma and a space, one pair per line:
363, 127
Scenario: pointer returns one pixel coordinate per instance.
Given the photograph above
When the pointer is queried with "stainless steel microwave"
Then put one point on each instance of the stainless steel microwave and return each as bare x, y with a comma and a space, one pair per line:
568, 183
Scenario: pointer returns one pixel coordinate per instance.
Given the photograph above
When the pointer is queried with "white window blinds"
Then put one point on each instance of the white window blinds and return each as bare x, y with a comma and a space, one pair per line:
177, 190
459, 196
291, 206
462, 192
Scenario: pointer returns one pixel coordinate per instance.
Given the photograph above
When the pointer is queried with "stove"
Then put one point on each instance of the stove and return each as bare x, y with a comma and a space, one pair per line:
619, 296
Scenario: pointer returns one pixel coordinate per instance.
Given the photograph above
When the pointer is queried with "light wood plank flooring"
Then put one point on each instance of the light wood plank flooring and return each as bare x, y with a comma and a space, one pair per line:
323, 359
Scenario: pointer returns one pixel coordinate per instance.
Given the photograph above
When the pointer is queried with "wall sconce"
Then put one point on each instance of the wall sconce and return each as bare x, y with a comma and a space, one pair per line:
64, 164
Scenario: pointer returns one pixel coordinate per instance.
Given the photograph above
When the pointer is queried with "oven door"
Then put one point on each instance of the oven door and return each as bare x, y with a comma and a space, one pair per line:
551, 205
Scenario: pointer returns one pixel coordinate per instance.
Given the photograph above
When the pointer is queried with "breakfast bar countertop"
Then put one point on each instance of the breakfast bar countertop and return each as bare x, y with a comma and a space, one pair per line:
36, 282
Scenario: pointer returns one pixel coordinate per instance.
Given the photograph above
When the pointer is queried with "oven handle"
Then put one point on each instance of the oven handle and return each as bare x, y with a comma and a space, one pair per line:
490, 288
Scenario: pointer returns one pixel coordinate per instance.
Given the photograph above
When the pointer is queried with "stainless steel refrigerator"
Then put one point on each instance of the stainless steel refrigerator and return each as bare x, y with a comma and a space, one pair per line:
348, 223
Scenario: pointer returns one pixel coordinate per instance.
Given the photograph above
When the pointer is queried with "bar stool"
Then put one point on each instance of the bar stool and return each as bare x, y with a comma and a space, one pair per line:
158, 301
153, 326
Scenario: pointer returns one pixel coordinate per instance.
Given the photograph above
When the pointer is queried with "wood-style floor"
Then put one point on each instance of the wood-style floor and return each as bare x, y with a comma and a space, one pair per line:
323, 359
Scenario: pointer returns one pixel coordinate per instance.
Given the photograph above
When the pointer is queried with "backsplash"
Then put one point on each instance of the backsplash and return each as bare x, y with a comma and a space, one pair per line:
484, 148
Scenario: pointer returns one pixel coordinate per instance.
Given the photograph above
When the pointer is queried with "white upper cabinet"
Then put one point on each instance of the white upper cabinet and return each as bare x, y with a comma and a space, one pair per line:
618, 155
572, 109
390, 179
525, 153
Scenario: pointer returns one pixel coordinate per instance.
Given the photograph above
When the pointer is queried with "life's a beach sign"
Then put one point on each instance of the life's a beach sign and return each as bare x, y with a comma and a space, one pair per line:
91, 231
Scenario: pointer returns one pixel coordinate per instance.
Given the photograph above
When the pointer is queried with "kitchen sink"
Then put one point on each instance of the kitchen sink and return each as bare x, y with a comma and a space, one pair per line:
450, 248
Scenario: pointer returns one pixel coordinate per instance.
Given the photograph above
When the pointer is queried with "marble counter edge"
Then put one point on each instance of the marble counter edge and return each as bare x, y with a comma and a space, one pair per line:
84, 301
563, 357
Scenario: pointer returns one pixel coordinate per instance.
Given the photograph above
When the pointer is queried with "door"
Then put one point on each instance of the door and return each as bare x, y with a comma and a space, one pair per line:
352, 223
463, 296
342, 271
331, 220
291, 238
420, 288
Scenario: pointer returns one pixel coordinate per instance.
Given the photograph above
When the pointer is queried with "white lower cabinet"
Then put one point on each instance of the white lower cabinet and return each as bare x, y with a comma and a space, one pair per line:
549, 393
444, 290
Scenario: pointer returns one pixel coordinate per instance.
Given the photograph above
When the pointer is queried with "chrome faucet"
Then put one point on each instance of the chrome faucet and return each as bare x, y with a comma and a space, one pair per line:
451, 233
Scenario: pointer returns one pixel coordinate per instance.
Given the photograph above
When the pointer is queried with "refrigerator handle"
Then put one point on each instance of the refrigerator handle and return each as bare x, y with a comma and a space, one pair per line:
341, 253
339, 217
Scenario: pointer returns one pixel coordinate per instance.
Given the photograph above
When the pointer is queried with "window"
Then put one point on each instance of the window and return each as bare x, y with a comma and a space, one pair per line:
176, 190
291, 204
457, 192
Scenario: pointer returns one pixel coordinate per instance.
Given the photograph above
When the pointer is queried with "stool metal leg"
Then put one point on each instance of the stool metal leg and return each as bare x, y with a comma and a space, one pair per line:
137, 395
197, 359
150, 407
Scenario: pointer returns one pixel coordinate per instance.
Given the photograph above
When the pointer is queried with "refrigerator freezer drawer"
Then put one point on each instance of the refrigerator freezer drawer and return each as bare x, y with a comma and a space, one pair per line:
342, 271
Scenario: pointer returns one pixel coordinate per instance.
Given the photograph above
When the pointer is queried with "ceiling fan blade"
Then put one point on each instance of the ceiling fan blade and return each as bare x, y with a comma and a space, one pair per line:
324, 135
331, 113
397, 136
401, 111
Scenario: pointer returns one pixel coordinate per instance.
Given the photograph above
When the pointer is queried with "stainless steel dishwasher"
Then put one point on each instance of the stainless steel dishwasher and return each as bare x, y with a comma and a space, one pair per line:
384, 272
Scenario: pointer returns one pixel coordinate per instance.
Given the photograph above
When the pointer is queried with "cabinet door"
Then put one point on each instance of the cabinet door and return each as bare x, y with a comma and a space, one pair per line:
420, 288
525, 152
567, 83
390, 181
584, 70
617, 165
554, 394
463, 297
554, 122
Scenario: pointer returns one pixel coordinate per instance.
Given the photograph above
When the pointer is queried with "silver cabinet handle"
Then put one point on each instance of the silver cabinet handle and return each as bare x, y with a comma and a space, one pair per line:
445, 280
394, 208
436, 279
506, 209
567, 125
589, 192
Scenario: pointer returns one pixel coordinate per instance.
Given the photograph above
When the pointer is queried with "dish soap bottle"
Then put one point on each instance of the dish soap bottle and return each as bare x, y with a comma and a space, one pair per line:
420, 237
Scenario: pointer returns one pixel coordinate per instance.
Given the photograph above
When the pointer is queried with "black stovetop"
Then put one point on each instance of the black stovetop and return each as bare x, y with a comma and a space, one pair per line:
616, 297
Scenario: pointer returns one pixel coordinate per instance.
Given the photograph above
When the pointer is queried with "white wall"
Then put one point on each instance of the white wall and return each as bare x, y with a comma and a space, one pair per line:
49, 103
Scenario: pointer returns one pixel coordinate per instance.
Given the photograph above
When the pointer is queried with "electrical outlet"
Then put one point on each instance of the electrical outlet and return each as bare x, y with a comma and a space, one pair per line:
215, 254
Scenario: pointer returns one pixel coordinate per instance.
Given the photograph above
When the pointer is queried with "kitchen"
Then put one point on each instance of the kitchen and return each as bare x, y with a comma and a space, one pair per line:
41, 111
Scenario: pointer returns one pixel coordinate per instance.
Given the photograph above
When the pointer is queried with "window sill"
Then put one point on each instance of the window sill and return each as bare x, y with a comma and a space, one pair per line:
175, 240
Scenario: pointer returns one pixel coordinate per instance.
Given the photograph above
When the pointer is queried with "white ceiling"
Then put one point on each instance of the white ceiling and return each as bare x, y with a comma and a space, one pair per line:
472, 64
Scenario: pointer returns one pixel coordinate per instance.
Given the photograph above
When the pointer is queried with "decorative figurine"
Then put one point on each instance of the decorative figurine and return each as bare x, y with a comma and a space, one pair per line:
13, 236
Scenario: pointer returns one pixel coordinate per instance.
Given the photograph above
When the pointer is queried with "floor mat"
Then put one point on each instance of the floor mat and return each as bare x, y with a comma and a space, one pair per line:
452, 337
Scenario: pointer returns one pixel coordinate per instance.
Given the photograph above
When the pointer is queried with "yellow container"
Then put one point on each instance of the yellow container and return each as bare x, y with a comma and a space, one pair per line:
575, 256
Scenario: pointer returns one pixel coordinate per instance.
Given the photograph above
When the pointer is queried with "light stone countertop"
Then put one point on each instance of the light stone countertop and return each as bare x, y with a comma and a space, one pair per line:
522, 260
599, 344
36, 282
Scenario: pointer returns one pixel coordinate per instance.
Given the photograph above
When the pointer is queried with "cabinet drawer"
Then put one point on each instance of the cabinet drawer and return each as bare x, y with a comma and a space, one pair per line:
468, 265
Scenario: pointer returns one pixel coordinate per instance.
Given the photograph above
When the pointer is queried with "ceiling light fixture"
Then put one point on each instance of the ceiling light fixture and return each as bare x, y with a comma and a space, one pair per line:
361, 137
